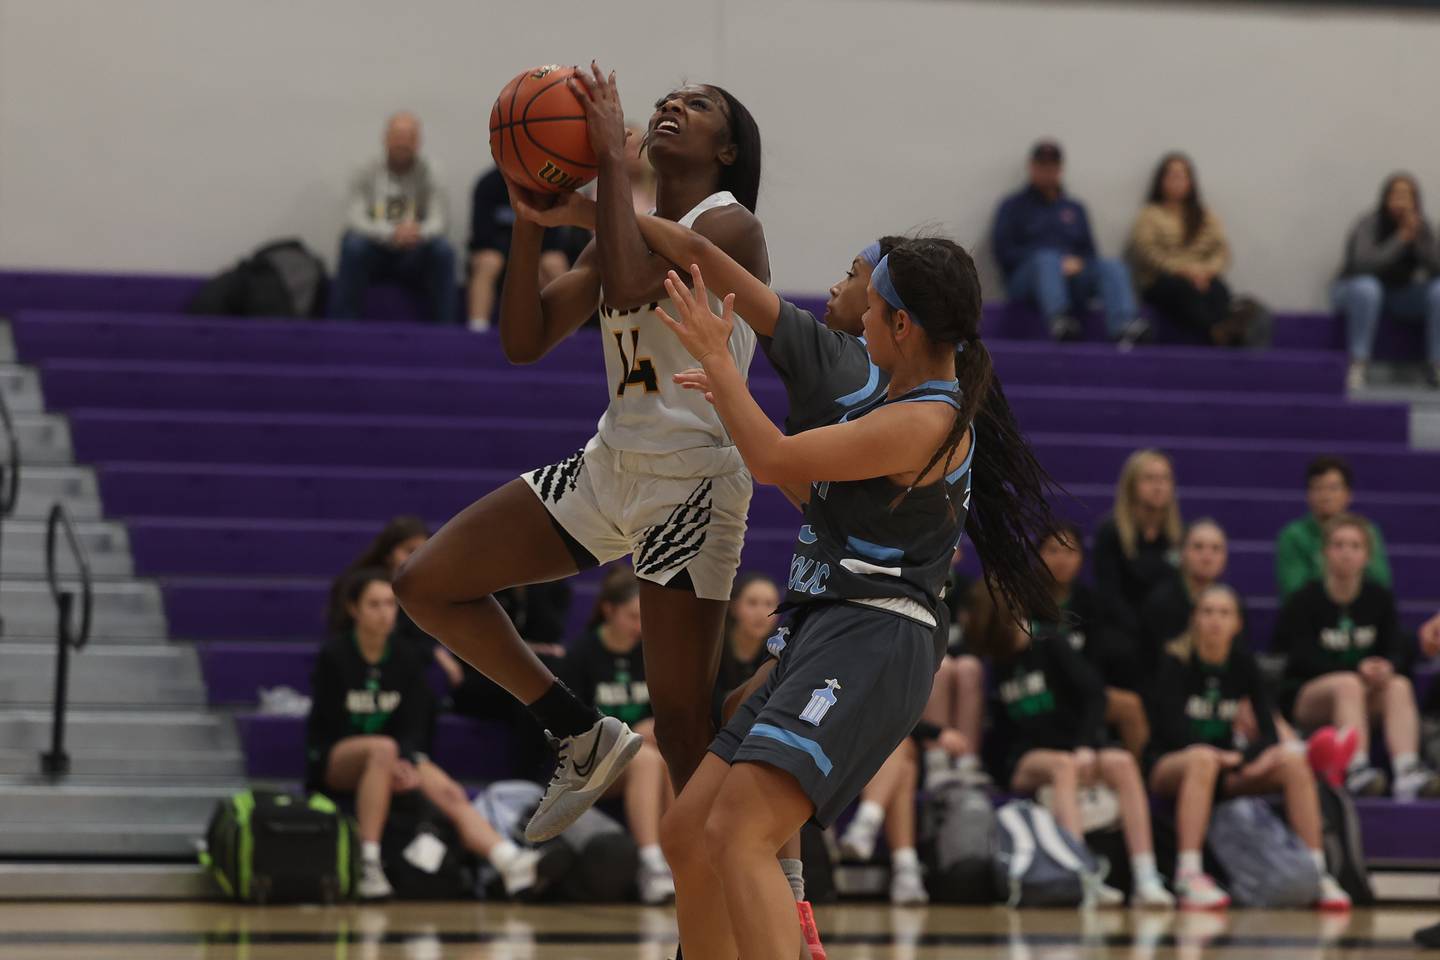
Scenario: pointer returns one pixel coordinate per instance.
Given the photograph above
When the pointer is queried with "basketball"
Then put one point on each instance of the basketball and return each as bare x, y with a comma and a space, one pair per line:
538, 135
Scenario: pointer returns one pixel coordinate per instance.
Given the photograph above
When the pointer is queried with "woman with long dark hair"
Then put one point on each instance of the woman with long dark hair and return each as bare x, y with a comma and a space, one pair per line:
661, 481
1391, 271
1179, 250
888, 490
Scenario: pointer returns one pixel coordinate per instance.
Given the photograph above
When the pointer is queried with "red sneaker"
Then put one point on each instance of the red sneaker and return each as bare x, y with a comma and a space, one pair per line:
809, 930
1320, 750
1329, 751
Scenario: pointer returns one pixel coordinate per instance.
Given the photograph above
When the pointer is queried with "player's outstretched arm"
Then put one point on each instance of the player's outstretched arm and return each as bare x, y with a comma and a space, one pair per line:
894, 440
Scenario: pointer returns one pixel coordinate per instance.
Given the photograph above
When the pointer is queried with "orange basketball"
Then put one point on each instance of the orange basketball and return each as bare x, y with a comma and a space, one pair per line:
537, 132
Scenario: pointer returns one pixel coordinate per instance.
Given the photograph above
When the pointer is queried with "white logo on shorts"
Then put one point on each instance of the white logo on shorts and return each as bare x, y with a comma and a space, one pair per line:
821, 701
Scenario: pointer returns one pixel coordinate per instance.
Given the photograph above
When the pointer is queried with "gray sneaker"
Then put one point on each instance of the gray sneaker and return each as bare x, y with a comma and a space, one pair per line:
587, 766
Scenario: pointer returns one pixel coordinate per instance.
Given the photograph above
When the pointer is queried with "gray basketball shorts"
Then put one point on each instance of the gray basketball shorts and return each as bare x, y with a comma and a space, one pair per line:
851, 684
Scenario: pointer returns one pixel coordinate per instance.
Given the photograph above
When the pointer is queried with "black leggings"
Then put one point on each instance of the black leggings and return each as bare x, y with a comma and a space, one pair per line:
1198, 311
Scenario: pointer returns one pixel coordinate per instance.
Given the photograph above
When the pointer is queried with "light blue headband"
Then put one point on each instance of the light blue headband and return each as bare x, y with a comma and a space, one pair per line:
884, 286
871, 254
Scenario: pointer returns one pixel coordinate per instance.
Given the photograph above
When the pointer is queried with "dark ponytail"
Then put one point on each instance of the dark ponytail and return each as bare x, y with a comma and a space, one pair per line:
1009, 516
741, 178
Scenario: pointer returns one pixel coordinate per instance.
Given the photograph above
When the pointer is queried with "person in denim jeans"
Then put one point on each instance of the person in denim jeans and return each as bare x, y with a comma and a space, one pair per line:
395, 229
1043, 242
1392, 270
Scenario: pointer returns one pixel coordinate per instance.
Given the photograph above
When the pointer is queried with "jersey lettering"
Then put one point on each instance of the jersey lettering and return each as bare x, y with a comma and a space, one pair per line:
635, 370
806, 576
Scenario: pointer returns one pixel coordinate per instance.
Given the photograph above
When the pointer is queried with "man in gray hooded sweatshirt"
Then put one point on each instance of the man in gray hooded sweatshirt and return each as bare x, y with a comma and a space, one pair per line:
395, 228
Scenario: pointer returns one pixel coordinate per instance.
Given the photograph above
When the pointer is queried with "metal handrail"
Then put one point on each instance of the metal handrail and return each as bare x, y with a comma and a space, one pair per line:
60, 520
9, 479
56, 762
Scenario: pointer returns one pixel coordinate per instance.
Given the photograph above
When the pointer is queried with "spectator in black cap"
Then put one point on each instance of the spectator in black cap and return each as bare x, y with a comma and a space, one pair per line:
1043, 242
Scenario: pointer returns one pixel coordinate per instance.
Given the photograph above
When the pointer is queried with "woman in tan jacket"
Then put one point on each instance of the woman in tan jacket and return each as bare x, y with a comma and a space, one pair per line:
1179, 251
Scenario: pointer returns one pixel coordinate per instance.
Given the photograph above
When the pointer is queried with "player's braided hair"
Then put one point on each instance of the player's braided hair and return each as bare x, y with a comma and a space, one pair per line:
1009, 516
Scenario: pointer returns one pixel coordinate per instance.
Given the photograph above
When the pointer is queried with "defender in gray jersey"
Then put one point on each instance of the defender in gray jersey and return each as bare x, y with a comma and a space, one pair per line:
887, 489
661, 481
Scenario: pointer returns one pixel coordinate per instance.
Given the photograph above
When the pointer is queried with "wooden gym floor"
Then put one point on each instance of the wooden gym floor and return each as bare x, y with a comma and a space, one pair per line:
471, 931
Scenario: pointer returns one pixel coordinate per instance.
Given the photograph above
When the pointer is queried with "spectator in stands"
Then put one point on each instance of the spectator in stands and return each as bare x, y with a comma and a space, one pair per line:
1081, 625
1166, 613
491, 219
1328, 485
957, 703
1136, 546
889, 799
1391, 270
1345, 662
1194, 756
606, 669
395, 228
1042, 240
368, 731
1179, 251
1054, 711
749, 622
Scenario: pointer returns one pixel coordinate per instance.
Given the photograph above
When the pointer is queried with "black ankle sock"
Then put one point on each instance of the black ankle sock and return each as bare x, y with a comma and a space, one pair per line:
1429, 937
559, 711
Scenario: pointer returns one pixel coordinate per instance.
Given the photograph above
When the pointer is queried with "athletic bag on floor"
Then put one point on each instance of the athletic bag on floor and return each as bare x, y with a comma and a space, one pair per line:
268, 847
1037, 862
1263, 862
1344, 851
957, 836
421, 852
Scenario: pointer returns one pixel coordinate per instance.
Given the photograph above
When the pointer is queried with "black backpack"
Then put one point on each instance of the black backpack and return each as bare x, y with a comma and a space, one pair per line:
957, 840
1344, 851
268, 847
418, 837
281, 279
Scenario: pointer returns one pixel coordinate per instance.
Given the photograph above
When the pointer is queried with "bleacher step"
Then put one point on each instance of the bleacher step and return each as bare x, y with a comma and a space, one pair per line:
104, 881
20, 386
44, 439
100, 730
157, 675
41, 487
106, 545
123, 610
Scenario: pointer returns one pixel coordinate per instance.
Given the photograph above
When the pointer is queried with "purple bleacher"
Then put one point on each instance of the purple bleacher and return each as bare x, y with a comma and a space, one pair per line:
49, 337
80, 385
171, 546
502, 443
152, 294
132, 490
466, 749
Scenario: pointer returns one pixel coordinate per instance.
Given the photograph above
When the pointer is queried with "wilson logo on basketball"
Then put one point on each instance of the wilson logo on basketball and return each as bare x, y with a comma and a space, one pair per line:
544, 71
558, 178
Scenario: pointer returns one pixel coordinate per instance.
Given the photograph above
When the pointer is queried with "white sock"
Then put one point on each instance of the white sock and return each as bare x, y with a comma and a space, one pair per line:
370, 852
1189, 863
651, 858
1404, 762
1319, 857
1358, 762
968, 763
905, 859
502, 855
936, 761
870, 816
1142, 868
795, 873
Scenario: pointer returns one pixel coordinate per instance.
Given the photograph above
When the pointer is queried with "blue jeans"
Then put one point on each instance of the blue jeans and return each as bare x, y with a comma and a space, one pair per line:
1362, 301
427, 268
1041, 280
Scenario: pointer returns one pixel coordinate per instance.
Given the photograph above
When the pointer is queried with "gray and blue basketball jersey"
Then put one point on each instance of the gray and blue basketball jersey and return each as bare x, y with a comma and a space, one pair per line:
853, 545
